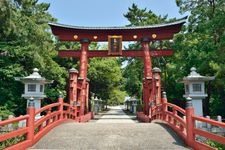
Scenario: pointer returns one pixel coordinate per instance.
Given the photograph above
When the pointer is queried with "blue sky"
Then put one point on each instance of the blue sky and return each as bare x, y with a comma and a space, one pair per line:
105, 12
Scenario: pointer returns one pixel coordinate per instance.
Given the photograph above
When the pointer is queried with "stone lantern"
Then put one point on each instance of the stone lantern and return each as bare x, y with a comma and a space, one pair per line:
34, 86
100, 104
194, 85
96, 103
92, 102
126, 102
134, 104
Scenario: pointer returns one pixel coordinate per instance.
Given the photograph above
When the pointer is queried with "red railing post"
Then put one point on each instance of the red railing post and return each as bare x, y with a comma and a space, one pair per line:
164, 107
174, 114
157, 76
48, 113
30, 121
189, 123
60, 100
73, 75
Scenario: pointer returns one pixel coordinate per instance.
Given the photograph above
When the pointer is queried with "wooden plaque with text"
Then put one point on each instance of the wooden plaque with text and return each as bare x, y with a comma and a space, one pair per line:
115, 45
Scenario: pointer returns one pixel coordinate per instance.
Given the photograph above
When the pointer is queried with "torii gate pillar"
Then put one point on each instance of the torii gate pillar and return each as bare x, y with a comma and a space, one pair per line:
83, 75
147, 74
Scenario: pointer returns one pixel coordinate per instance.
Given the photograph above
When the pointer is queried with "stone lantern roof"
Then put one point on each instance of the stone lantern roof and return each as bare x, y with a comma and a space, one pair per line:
194, 76
35, 76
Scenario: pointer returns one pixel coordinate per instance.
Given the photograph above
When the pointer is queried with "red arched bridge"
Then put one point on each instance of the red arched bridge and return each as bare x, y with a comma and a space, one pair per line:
156, 108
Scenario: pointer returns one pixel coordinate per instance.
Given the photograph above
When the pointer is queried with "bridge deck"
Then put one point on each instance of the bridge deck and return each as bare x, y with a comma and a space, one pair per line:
119, 133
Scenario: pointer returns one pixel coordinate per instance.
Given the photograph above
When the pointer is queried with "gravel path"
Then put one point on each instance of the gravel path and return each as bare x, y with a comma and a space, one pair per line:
113, 131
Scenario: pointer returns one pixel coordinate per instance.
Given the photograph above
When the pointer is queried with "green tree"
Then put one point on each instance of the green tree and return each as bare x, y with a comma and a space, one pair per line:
26, 43
106, 79
202, 44
141, 17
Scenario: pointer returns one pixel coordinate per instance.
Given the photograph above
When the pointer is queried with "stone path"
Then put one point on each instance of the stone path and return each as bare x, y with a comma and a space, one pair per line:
113, 131
116, 115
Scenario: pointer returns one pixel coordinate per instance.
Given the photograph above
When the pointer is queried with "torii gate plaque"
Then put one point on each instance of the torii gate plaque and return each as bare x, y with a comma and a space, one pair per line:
115, 36
115, 45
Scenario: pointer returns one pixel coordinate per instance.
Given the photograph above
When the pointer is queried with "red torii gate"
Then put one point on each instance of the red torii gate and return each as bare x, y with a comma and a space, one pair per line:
115, 36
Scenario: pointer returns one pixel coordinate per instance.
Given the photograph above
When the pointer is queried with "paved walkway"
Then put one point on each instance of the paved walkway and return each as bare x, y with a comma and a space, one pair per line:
113, 131
115, 115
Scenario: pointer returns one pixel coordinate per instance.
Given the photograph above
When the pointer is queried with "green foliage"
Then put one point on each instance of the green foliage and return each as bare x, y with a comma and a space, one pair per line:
116, 97
25, 43
215, 145
106, 78
133, 74
4, 112
217, 105
12, 141
141, 17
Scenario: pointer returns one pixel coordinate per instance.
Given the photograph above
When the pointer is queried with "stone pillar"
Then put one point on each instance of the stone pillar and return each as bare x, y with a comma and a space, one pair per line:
83, 73
100, 104
10, 126
219, 118
197, 104
147, 73
208, 125
135, 106
131, 106
96, 104
92, 102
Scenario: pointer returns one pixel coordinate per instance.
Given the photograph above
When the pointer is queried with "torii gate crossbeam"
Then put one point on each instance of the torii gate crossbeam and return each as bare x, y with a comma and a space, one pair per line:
104, 53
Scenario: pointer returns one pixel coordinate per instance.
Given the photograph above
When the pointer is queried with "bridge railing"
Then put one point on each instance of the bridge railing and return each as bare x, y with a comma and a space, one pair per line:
173, 115
184, 123
38, 123
18, 133
206, 134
